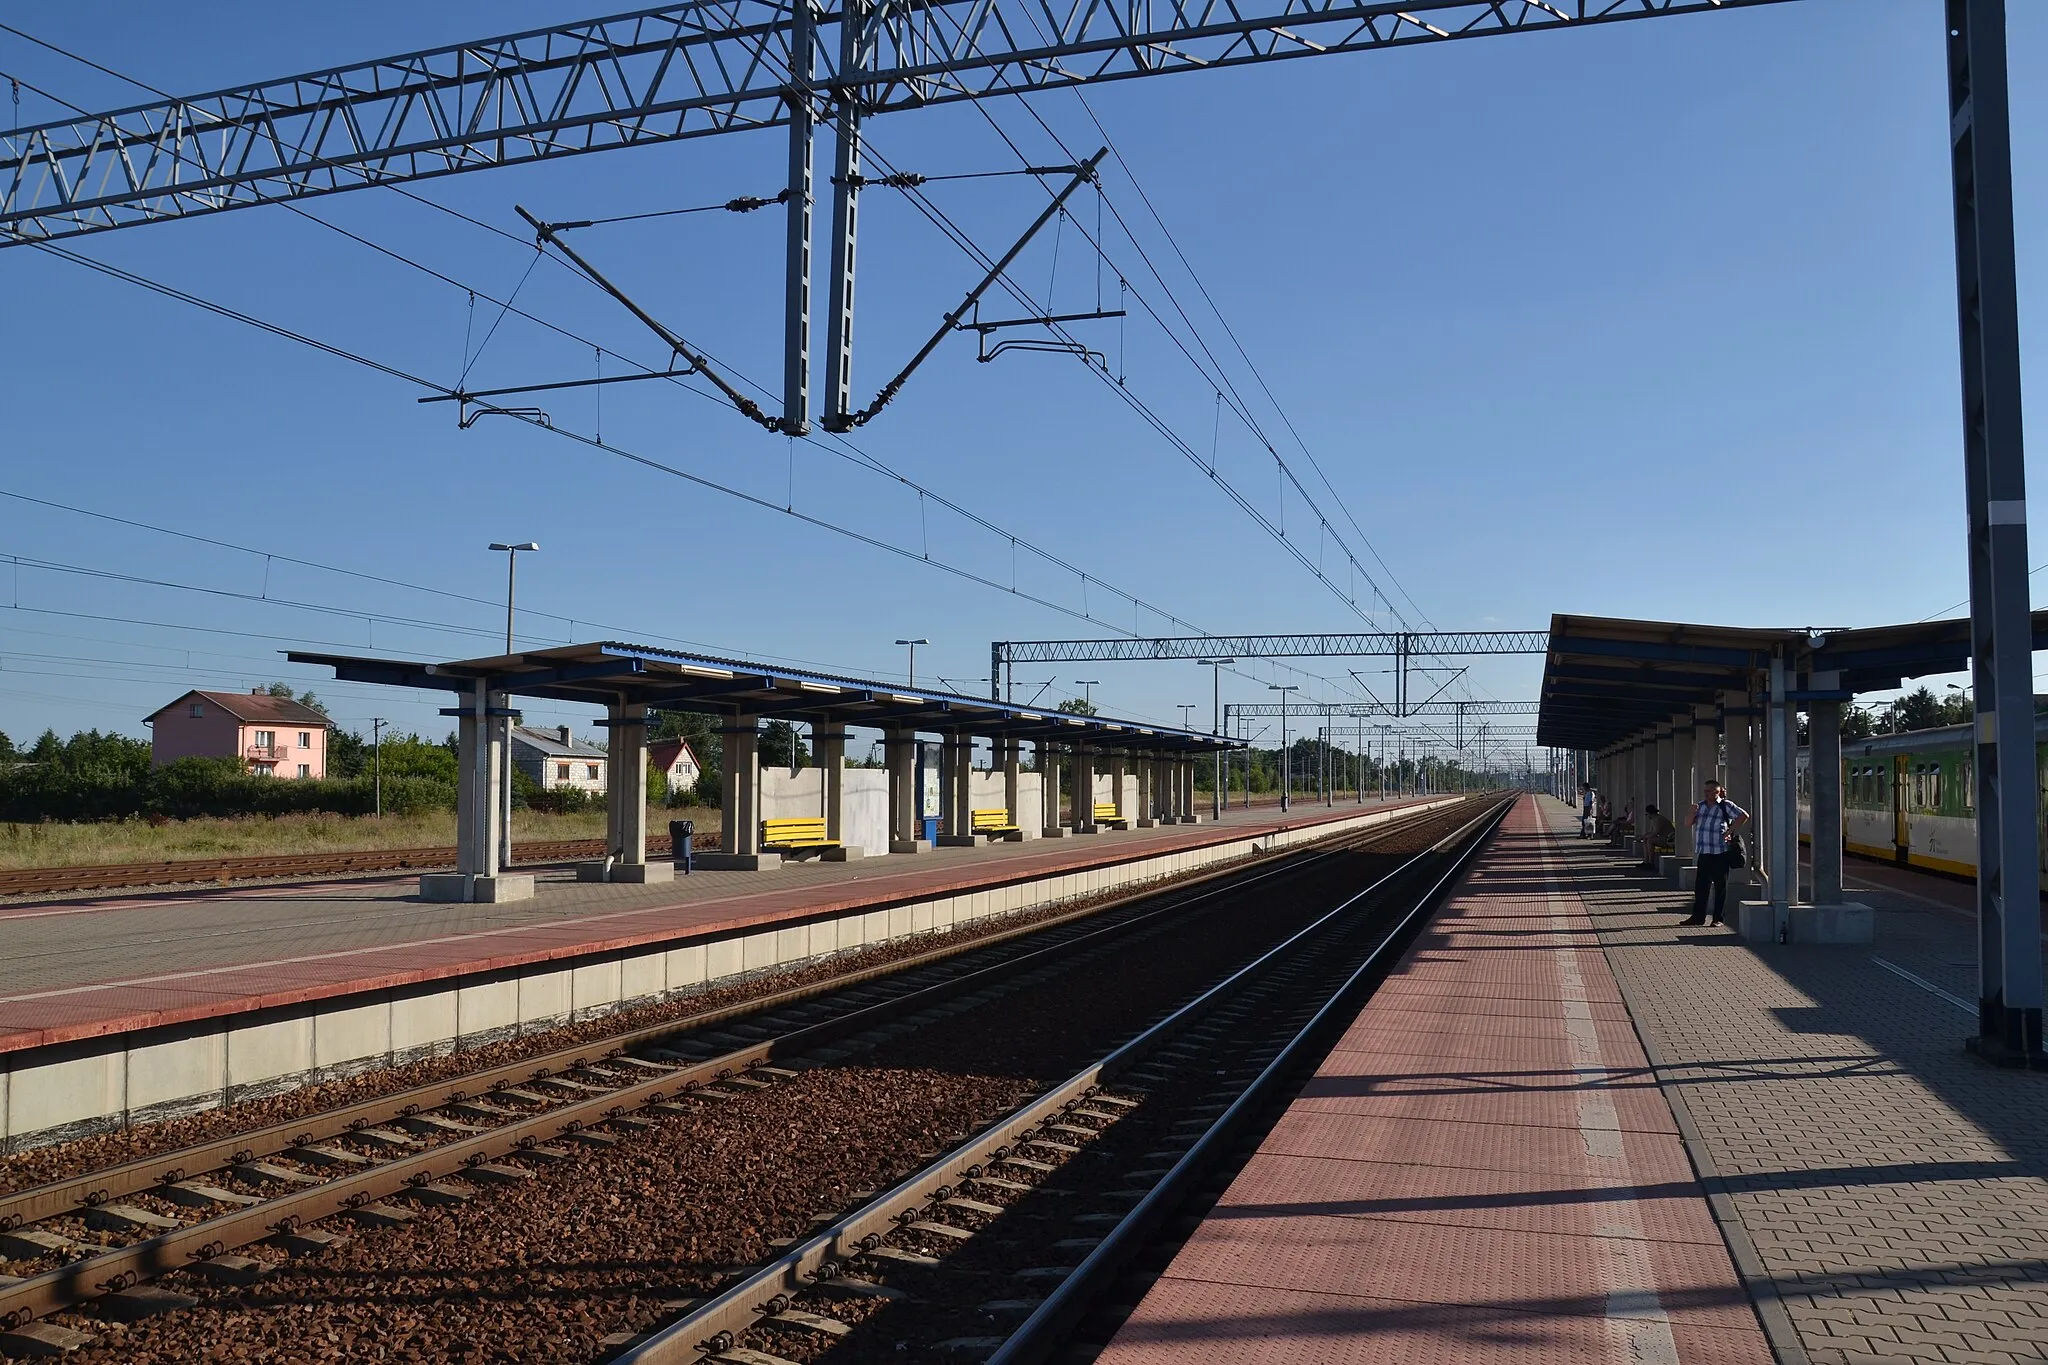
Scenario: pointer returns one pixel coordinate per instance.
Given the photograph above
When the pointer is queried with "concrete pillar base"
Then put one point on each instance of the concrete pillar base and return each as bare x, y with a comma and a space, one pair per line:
1053, 832
1087, 829
959, 840
1687, 876
454, 886
1667, 867
1190, 820
738, 862
1145, 822
909, 846
626, 872
843, 854
1809, 925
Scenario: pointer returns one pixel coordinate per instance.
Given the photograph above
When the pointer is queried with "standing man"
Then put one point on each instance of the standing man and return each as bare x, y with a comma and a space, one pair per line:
1714, 822
1586, 808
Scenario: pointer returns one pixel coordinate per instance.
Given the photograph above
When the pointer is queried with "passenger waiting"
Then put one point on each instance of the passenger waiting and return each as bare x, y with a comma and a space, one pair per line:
1659, 836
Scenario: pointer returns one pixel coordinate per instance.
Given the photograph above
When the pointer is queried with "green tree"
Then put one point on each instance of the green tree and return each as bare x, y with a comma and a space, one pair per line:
1856, 723
306, 698
8, 753
1917, 710
348, 754
1079, 706
783, 747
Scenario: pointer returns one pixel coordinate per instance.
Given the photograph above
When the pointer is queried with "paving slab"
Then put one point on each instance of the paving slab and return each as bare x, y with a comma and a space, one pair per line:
1483, 1168
1892, 1190
93, 966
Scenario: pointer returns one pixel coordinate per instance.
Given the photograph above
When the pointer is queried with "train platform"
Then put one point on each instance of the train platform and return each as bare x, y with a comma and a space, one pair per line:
118, 1009
1568, 1128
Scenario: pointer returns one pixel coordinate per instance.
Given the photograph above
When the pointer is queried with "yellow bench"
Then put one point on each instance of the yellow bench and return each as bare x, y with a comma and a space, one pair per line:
1106, 814
795, 835
994, 822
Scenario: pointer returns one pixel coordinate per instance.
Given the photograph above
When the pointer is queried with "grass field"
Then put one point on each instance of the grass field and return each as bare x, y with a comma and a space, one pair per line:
136, 841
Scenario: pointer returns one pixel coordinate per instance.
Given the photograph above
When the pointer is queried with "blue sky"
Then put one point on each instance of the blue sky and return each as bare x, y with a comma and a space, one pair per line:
1649, 320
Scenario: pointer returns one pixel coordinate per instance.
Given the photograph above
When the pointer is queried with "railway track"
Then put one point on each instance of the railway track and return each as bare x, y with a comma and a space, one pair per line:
385, 1163
191, 871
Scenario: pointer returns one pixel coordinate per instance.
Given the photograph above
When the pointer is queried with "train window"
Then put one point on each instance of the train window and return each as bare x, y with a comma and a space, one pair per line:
1933, 787
1966, 774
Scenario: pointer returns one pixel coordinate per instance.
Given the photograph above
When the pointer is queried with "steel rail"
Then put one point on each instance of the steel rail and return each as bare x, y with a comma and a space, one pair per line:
95, 1187
1047, 1327
84, 1279
715, 1325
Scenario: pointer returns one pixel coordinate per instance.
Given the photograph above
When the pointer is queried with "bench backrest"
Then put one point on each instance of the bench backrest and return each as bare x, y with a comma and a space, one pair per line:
994, 818
1105, 810
800, 830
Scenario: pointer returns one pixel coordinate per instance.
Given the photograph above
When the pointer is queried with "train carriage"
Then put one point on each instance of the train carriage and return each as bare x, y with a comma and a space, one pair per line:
1912, 798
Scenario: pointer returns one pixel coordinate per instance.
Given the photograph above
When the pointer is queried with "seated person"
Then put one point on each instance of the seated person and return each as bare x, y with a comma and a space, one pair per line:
1659, 836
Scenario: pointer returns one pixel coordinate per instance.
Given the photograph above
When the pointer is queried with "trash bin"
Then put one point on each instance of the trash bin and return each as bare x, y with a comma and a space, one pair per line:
680, 834
931, 829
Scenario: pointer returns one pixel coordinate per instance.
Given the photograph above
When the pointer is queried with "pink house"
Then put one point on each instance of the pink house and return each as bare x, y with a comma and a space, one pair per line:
274, 736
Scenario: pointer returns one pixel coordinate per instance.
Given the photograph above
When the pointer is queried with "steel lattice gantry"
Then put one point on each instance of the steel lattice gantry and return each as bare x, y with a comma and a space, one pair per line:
683, 71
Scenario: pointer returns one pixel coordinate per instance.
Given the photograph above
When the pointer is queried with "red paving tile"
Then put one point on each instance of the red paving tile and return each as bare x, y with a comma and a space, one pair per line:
1482, 1169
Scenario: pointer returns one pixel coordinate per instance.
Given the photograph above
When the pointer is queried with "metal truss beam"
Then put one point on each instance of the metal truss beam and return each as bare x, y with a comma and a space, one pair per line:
1411, 644
673, 72
1253, 710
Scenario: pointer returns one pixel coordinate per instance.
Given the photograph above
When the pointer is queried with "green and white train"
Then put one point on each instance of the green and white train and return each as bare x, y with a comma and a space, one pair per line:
1911, 798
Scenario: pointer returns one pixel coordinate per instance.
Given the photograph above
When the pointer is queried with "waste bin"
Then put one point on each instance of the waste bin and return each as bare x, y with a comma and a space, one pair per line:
680, 834
931, 829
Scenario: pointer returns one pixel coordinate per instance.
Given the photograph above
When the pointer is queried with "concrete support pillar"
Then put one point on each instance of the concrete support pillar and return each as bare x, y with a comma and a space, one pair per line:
739, 840
1661, 768
1117, 766
1081, 799
1780, 810
1824, 764
1706, 746
1186, 767
1147, 813
1684, 790
625, 793
1740, 766
828, 747
957, 807
906, 834
1049, 765
1009, 752
480, 806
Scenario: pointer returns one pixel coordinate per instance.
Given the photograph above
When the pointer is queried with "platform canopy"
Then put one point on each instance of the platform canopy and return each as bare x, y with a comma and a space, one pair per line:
1605, 680
610, 673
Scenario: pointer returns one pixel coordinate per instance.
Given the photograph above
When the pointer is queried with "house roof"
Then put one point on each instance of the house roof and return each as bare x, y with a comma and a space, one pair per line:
254, 708
664, 752
550, 745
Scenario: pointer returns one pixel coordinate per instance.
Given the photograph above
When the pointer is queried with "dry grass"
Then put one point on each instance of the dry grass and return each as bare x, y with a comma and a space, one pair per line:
136, 841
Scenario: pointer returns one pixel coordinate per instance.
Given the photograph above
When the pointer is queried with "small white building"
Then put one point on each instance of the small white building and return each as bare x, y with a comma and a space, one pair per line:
554, 758
675, 760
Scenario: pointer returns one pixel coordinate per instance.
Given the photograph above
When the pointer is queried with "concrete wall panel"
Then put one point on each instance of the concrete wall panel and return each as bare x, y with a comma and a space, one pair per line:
165, 1076
260, 1055
487, 1011
593, 989
544, 1000
424, 1025
349, 1039
67, 1098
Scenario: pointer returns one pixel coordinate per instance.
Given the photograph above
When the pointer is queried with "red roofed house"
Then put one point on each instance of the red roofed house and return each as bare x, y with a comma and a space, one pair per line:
275, 736
675, 760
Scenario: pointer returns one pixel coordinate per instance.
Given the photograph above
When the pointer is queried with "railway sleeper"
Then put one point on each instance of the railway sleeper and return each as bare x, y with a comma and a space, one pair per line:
44, 1340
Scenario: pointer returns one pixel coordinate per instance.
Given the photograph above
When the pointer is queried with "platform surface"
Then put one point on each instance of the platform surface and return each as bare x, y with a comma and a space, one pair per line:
103, 964
1570, 1129
1483, 1169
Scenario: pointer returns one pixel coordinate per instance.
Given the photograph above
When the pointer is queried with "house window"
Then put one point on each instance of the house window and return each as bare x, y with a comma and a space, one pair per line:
198, 710
266, 739
305, 739
561, 772
305, 770
590, 771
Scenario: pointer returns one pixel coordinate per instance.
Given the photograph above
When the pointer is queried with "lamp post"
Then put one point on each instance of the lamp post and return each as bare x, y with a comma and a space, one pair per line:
511, 553
1186, 709
913, 657
1215, 667
377, 762
1088, 686
1286, 764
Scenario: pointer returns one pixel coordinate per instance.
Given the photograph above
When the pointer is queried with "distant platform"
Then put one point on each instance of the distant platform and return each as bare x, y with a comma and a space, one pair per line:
1569, 1129
117, 1009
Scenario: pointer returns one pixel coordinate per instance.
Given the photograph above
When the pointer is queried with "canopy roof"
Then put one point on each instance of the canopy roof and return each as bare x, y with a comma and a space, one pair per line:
609, 672
1607, 680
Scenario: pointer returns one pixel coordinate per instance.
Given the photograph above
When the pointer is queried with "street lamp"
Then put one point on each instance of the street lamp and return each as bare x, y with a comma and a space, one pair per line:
1088, 686
511, 553
511, 576
913, 657
1186, 708
1216, 727
1286, 763
377, 724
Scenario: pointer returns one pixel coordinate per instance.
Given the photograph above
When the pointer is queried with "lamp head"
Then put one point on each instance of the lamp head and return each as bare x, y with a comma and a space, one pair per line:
522, 545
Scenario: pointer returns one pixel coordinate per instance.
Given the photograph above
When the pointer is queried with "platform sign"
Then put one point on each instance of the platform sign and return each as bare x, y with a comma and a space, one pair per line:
929, 755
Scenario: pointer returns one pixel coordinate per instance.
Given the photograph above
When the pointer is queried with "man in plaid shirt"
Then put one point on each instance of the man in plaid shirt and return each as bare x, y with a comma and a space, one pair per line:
1714, 821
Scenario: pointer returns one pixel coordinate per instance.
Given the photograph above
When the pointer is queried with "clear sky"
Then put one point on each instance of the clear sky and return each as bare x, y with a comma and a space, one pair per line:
1655, 319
